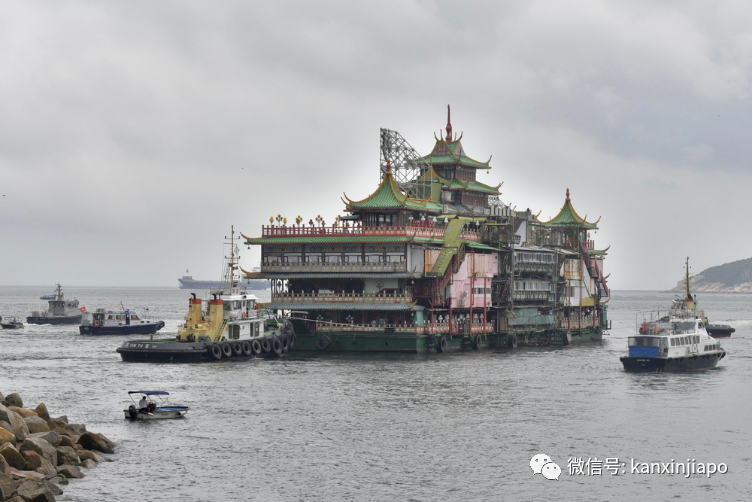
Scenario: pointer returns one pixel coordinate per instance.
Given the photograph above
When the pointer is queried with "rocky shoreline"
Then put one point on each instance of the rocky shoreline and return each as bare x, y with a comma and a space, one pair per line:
38, 453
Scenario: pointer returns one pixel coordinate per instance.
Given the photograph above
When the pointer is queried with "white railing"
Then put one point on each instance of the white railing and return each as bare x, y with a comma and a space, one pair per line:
408, 231
340, 298
436, 328
272, 267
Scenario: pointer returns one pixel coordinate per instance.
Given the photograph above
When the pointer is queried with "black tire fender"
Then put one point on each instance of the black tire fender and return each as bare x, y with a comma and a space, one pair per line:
246, 348
477, 342
227, 350
442, 344
285, 343
216, 352
322, 344
256, 347
276, 346
266, 347
237, 348
512, 341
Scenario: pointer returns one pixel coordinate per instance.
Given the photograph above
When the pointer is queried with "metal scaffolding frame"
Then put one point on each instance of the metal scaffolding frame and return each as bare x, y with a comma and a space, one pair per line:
407, 165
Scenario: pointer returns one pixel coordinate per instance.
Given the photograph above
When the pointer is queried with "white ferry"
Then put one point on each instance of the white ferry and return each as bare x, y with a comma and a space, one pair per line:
672, 344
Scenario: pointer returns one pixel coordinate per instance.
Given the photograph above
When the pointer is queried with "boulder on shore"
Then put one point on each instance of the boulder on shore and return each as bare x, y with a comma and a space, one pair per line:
36, 424
88, 463
36, 491
37, 463
67, 455
4, 467
65, 441
98, 442
23, 411
70, 471
41, 411
12, 456
42, 447
14, 400
76, 428
51, 437
7, 486
15, 421
7, 436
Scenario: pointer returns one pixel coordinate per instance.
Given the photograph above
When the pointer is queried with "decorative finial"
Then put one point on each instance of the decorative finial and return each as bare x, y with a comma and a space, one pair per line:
449, 126
389, 166
567, 194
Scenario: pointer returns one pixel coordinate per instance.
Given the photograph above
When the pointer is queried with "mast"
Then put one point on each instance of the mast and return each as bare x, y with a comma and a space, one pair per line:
687, 280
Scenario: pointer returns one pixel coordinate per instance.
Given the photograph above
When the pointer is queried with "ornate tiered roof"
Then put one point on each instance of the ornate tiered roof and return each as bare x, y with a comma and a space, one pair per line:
449, 151
567, 217
456, 184
389, 196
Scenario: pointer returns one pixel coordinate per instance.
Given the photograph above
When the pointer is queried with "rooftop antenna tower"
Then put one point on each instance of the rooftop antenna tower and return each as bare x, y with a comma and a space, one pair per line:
408, 166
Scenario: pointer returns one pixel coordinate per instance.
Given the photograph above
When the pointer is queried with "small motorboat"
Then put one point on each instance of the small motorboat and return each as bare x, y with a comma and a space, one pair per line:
13, 323
149, 409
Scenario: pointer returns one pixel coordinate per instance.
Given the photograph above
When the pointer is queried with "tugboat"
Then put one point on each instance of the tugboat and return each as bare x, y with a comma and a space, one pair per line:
687, 308
229, 325
61, 311
123, 322
13, 323
676, 344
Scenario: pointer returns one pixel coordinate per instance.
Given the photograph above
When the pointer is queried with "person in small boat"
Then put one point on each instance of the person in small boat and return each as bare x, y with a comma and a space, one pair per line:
143, 404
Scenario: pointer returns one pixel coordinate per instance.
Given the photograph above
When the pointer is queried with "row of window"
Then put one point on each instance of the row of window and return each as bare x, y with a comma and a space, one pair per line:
685, 340
533, 286
337, 258
480, 291
529, 257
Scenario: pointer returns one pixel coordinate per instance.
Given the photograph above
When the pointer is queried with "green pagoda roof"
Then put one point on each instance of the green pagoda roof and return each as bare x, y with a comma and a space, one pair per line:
389, 196
456, 184
451, 152
567, 217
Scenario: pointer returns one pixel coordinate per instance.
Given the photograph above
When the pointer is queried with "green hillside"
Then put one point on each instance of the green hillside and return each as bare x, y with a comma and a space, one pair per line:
729, 274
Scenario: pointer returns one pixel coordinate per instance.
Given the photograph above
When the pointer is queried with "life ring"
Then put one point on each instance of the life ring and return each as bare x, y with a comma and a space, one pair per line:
216, 352
227, 350
246, 347
96, 323
442, 344
243, 315
256, 347
322, 344
477, 342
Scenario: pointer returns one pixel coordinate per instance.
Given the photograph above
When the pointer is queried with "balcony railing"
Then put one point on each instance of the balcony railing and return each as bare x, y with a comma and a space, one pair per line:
324, 267
409, 231
429, 328
340, 298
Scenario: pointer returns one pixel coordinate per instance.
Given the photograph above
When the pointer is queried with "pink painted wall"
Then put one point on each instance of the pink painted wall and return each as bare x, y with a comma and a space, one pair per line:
483, 266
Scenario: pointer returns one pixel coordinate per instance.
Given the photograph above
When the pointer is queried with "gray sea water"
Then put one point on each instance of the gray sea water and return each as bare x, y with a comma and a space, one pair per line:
420, 428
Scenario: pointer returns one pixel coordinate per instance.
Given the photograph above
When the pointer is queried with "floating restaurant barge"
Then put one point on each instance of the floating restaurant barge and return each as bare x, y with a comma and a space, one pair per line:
433, 261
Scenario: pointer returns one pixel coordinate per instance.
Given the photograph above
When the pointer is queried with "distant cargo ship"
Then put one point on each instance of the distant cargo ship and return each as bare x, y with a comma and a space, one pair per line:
188, 282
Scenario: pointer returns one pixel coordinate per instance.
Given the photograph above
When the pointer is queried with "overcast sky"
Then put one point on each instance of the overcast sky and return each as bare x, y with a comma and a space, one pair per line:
133, 134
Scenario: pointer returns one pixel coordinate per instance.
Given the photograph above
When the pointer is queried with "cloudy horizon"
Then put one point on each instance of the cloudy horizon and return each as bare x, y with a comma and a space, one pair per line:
133, 135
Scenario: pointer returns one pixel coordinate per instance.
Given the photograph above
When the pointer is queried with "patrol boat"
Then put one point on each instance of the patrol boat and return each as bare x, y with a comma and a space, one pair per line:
61, 311
671, 344
122, 322
229, 325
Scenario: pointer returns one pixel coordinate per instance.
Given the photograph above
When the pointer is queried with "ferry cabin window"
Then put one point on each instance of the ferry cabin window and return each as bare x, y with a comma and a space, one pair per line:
394, 257
313, 258
332, 257
643, 342
352, 258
